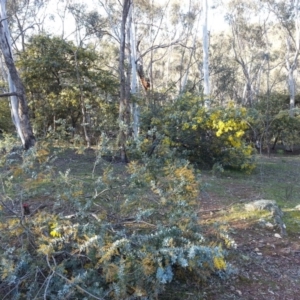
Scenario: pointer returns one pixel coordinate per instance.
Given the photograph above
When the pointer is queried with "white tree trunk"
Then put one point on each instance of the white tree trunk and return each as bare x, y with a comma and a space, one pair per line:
206, 91
13, 99
292, 88
185, 76
19, 107
293, 66
124, 108
291, 80
134, 78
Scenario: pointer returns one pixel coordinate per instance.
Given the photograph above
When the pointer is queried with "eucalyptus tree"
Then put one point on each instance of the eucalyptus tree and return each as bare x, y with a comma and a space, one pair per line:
206, 91
46, 65
26, 17
119, 35
224, 79
287, 14
143, 37
124, 108
19, 107
133, 50
248, 44
188, 46
170, 47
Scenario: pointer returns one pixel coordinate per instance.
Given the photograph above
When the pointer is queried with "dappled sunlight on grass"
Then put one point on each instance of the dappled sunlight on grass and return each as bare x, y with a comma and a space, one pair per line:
236, 214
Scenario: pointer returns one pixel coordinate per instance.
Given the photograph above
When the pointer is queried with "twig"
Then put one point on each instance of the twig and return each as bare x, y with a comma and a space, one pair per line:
69, 281
8, 94
103, 191
40, 287
13, 212
211, 210
137, 222
3, 20
15, 287
41, 206
47, 285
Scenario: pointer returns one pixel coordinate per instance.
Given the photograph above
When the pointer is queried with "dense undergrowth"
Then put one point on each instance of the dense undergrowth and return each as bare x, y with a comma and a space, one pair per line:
114, 232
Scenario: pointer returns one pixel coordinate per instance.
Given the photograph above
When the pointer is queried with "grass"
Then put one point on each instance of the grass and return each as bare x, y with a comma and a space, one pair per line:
292, 221
274, 178
238, 213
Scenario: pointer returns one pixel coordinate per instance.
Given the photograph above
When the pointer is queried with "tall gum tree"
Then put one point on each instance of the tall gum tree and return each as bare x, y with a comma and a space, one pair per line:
124, 108
247, 45
134, 82
119, 19
287, 13
205, 68
189, 46
26, 18
18, 100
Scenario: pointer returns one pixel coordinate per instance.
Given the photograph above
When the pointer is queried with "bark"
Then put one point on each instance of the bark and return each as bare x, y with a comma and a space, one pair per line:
238, 51
82, 103
19, 106
144, 81
124, 109
192, 50
291, 67
292, 88
134, 81
291, 59
206, 91
8, 94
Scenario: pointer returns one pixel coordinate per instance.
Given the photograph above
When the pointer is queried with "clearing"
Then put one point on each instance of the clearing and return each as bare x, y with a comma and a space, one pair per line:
267, 267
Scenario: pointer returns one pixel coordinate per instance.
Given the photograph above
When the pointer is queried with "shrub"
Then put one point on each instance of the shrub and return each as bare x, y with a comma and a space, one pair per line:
270, 122
6, 124
206, 136
126, 240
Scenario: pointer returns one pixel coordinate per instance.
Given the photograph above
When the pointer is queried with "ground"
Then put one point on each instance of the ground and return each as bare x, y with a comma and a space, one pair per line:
264, 265
267, 267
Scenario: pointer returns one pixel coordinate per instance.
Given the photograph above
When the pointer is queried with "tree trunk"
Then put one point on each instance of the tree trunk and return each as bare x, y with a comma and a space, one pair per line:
134, 80
291, 83
206, 91
82, 104
19, 106
124, 108
292, 47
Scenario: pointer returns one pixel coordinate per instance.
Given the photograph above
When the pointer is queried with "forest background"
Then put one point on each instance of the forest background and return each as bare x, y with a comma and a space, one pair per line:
146, 83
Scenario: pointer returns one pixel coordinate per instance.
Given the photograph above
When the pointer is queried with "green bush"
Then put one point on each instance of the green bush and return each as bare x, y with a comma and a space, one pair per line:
270, 122
205, 136
6, 124
126, 240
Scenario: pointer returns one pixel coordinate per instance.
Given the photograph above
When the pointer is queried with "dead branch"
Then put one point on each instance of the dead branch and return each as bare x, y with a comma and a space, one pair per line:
8, 94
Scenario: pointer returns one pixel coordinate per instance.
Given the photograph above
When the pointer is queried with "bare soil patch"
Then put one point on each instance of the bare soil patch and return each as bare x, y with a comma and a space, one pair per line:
268, 267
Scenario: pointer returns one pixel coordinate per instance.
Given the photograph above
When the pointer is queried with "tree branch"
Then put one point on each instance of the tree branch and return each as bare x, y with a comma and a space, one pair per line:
8, 94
